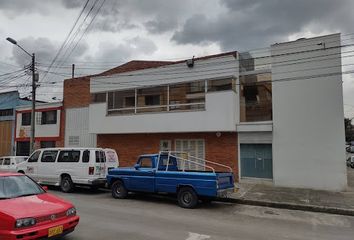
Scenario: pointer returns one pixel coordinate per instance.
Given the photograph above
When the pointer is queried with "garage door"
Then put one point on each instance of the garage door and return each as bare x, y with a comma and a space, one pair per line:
256, 160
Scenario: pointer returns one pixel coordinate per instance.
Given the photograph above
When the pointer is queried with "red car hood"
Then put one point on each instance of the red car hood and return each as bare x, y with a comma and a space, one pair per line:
33, 206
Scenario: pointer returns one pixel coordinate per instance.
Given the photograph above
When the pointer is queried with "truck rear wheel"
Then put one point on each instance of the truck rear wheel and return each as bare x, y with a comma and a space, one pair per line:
66, 184
187, 198
118, 190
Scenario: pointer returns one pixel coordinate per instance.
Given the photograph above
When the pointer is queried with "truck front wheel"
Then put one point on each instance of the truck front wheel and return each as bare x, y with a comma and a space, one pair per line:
118, 190
187, 198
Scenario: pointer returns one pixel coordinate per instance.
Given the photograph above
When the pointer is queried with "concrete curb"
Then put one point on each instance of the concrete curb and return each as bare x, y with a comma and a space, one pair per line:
291, 206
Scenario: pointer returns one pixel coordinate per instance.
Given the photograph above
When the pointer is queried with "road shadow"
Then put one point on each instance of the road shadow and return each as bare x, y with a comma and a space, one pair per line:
172, 200
82, 190
169, 199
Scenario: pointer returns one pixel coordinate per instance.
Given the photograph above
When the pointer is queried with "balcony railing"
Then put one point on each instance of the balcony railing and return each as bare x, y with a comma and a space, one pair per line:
159, 108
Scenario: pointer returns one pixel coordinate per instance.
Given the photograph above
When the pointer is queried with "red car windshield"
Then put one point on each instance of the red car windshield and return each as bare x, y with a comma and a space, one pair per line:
18, 186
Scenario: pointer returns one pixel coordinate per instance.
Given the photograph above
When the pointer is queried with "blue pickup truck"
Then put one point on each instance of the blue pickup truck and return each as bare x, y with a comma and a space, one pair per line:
190, 180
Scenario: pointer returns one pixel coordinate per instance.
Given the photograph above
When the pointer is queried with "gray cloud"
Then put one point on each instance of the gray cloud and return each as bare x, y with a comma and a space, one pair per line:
251, 24
15, 8
44, 49
161, 24
137, 46
156, 16
73, 3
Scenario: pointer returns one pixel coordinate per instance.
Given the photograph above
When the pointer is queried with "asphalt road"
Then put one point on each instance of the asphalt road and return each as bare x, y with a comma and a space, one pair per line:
151, 217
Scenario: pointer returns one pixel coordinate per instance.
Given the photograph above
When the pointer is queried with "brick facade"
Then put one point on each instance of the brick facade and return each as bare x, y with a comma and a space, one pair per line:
76, 92
61, 142
221, 149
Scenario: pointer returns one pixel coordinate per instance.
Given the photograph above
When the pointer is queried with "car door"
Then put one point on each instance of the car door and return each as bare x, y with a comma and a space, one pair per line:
144, 175
100, 166
31, 168
47, 167
103, 164
111, 159
68, 162
13, 164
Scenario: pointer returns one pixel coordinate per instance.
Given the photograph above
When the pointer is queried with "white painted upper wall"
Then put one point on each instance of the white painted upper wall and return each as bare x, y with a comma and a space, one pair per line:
47, 130
221, 112
77, 128
218, 116
308, 118
204, 69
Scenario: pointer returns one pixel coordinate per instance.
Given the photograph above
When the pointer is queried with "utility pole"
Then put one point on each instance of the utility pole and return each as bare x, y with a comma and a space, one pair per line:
73, 71
34, 86
33, 113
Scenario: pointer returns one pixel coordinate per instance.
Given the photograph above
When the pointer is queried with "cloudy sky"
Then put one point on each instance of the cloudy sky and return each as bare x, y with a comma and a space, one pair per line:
156, 29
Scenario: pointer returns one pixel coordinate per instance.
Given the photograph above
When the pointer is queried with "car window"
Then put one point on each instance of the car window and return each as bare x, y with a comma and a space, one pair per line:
111, 156
6, 161
69, 156
1, 160
34, 157
86, 156
103, 156
75, 156
49, 156
100, 157
16, 186
145, 163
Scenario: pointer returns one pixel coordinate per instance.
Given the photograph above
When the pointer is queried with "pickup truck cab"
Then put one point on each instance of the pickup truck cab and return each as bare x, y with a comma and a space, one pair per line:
168, 173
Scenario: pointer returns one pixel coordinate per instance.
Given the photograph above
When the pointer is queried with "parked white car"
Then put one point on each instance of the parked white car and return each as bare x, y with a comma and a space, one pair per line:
67, 167
9, 163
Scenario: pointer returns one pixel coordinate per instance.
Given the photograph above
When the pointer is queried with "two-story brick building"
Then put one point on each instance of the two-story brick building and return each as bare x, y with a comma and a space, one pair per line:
49, 126
274, 116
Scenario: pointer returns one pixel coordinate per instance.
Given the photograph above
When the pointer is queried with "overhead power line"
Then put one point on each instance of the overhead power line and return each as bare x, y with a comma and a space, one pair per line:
173, 70
72, 40
113, 63
87, 28
67, 38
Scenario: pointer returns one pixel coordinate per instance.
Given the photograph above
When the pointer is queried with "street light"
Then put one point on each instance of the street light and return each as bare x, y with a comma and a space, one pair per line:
32, 140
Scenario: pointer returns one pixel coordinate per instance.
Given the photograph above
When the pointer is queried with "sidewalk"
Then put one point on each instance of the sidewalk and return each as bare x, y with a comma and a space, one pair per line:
298, 199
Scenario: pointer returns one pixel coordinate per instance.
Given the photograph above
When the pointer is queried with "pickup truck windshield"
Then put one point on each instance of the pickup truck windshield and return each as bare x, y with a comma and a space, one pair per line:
18, 186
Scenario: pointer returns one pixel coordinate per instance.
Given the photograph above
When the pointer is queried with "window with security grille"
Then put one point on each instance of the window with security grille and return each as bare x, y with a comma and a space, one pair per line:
26, 119
6, 112
191, 147
49, 117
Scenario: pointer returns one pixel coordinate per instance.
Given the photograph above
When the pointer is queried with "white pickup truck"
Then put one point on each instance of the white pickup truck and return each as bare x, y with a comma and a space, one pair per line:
10, 163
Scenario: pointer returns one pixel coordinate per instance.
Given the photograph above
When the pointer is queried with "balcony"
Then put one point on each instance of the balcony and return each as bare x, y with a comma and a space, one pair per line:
256, 98
188, 96
215, 112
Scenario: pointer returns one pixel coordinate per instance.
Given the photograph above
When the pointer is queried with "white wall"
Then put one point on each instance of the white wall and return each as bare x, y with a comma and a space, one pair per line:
77, 125
218, 116
47, 130
308, 118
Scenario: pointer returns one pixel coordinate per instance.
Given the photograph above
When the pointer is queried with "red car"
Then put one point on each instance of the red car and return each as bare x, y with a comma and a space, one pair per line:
27, 211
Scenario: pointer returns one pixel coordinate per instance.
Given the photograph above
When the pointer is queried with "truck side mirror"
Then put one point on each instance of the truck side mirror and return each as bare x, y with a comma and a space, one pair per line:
136, 166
